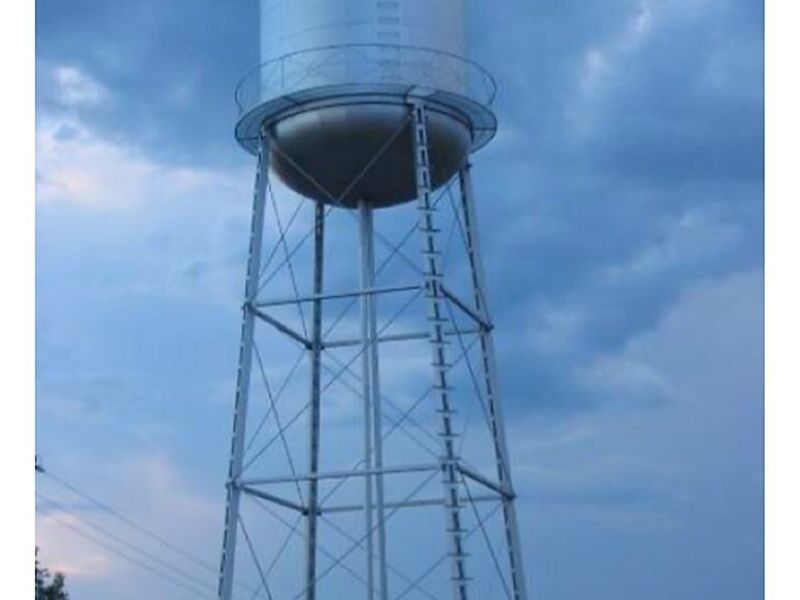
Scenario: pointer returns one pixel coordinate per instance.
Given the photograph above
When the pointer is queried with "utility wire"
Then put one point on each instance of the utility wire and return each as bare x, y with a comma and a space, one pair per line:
133, 524
113, 512
120, 540
135, 561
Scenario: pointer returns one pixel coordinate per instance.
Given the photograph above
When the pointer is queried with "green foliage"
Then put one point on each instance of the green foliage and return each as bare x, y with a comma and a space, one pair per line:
47, 589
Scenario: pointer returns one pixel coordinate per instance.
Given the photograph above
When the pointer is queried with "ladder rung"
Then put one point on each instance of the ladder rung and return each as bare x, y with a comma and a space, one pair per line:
459, 555
438, 320
434, 295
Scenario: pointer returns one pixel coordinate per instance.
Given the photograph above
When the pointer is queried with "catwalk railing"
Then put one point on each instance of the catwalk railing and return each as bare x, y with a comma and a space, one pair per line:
371, 67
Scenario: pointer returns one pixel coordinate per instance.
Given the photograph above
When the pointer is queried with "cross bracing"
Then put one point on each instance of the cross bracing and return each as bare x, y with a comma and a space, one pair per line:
367, 403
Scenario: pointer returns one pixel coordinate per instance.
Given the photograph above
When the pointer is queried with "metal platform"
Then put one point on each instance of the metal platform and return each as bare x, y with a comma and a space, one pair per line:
366, 74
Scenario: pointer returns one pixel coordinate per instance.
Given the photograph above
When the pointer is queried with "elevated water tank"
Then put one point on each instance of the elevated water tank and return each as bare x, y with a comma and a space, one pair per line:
334, 87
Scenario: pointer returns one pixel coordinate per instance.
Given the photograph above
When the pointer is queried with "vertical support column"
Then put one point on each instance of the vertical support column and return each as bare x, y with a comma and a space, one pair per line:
314, 409
371, 303
436, 317
365, 232
493, 397
243, 375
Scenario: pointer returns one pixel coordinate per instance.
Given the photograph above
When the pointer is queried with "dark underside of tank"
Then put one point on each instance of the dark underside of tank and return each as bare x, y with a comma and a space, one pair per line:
344, 154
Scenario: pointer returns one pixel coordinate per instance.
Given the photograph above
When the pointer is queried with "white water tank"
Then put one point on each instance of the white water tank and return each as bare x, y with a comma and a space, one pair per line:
334, 87
289, 26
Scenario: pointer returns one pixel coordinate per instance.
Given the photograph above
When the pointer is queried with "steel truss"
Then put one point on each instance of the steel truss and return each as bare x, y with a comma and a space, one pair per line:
315, 343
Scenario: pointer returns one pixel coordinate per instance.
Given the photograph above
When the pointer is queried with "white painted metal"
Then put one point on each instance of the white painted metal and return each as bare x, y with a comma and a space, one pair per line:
333, 143
365, 230
333, 86
380, 41
375, 508
243, 377
292, 26
436, 318
373, 377
364, 104
340, 474
491, 385
315, 404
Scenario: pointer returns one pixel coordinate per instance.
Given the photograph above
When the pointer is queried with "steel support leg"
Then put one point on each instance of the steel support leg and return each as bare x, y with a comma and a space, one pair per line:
365, 232
437, 337
492, 393
226, 575
370, 303
315, 354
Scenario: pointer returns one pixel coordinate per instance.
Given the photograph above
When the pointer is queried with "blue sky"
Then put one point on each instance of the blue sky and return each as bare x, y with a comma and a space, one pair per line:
622, 218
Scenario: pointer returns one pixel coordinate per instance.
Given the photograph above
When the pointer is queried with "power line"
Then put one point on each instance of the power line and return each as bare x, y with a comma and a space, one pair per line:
120, 540
133, 524
135, 561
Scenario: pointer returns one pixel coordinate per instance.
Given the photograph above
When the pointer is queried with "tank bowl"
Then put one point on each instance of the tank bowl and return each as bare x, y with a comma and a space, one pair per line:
343, 154
339, 126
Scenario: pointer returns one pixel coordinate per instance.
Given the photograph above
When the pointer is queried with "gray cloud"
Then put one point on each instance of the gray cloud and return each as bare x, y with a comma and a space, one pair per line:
625, 185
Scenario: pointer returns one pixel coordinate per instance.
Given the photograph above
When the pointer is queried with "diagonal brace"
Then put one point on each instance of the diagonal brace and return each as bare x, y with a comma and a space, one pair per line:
480, 320
283, 328
485, 481
274, 499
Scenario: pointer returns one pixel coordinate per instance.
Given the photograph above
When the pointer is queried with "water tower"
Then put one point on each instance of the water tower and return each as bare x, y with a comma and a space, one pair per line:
374, 464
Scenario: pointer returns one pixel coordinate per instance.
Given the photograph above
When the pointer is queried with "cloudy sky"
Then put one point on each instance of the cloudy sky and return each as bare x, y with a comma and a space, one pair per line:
622, 222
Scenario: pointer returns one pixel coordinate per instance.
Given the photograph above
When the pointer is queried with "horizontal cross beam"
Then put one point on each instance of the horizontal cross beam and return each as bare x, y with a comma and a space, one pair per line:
341, 474
408, 504
398, 337
335, 296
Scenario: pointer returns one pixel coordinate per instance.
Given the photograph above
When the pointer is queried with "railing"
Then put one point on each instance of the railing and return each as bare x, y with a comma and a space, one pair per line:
371, 66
